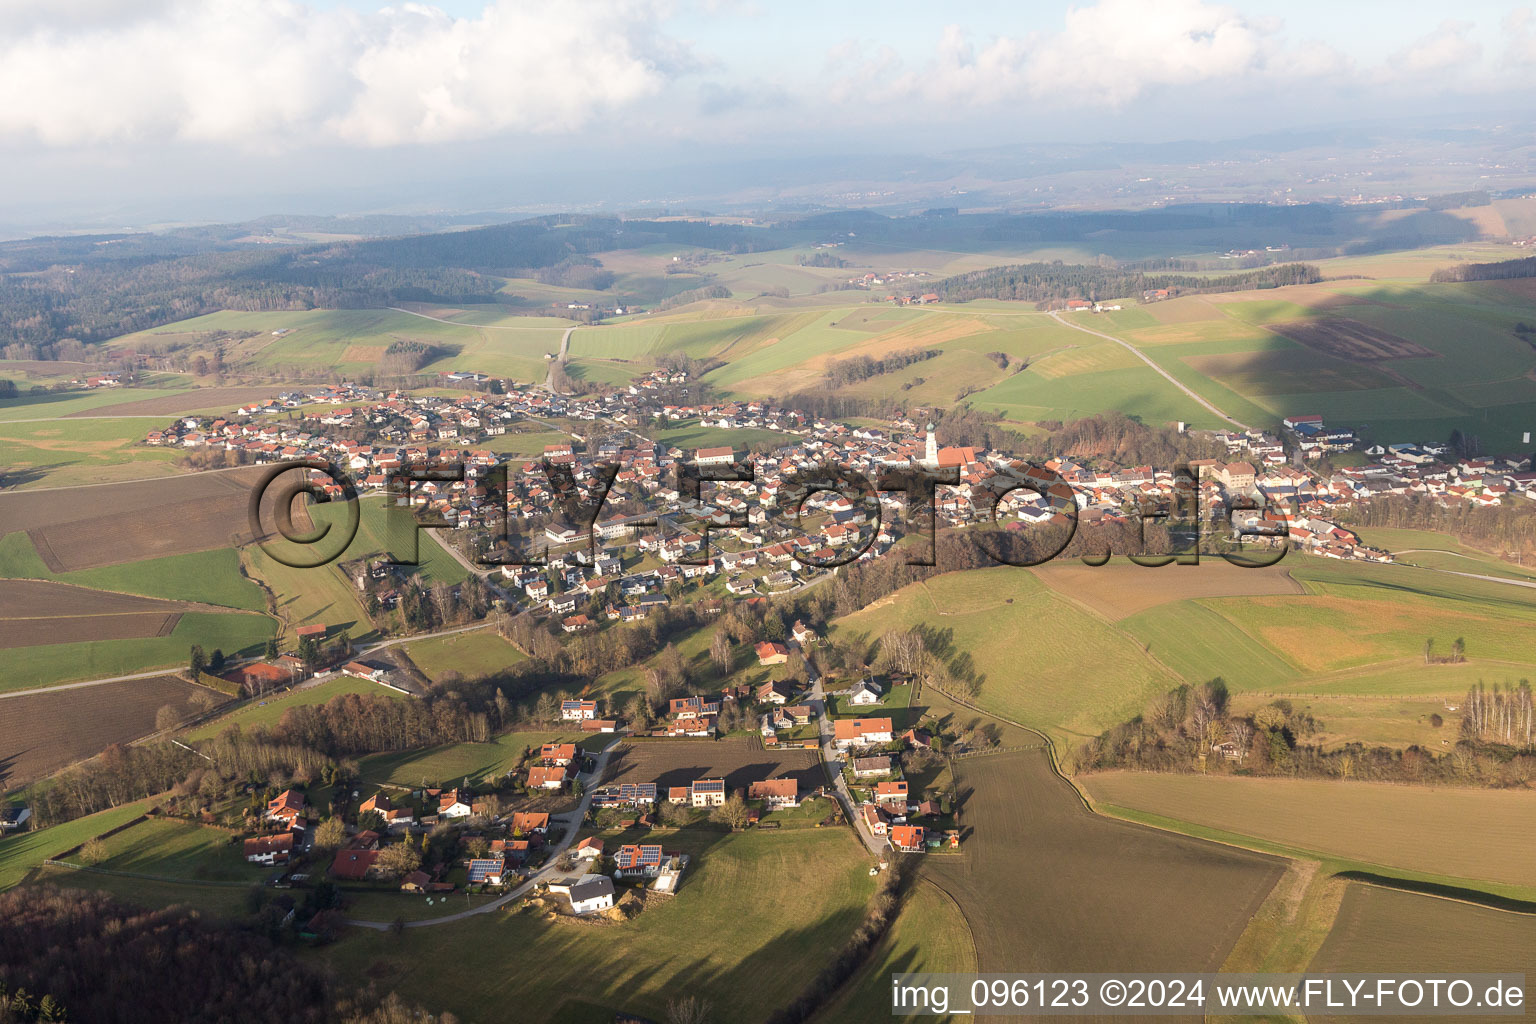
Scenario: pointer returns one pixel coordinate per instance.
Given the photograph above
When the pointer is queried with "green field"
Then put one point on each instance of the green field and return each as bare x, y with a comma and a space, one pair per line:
177, 849
69, 452
929, 935
19, 854
711, 940
478, 653
235, 634
209, 577
1047, 663
451, 764
268, 710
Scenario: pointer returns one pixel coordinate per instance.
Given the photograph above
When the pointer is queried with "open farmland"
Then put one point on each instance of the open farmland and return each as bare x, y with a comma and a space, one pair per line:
1386, 931
1041, 658
86, 527
35, 612
1472, 835
237, 635
171, 848
712, 940
1120, 589
43, 732
738, 759
196, 400
1046, 885
1353, 340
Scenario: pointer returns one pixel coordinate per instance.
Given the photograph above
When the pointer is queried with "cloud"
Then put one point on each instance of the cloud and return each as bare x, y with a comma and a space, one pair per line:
259, 73
1447, 47
1105, 54
1520, 36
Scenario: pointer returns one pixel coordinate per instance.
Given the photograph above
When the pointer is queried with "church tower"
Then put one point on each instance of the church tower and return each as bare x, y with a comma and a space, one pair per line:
931, 452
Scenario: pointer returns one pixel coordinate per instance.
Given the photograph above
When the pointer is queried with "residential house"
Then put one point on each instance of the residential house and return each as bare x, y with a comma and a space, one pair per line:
588, 895
854, 732
865, 692
892, 795
354, 865
775, 792
707, 793
487, 870
908, 838
454, 804
541, 777
642, 860
558, 754
269, 849
535, 822
870, 767
772, 653
287, 807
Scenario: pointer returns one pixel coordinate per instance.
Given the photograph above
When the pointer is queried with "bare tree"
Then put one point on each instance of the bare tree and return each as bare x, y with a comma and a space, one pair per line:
688, 1010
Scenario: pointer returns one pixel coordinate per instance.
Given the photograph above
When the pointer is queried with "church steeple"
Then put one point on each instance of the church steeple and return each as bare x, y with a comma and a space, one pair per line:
931, 452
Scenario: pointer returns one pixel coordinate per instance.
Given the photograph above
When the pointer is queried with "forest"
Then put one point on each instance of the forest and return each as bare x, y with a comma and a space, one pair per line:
79, 955
1047, 283
1503, 270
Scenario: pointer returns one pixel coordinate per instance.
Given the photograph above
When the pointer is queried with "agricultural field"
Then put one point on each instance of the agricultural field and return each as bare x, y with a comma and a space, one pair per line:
174, 849
929, 935
206, 401
1043, 660
33, 612
739, 760
267, 710
88, 527
1375, 721
237, 635
1389, 931
710, 940
451, 764
22, 853
477, 653
71, 452
1100, 892
48, 731
209, 577
1121, 589
348, 341
1415, 830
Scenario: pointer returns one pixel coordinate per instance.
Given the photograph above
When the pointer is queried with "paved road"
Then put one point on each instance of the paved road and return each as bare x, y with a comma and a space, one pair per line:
571, 819
559, 360
832, 761
460, 323
1139, 354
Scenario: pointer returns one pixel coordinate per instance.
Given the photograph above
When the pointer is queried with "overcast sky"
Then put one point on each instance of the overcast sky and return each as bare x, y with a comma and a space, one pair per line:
111, 103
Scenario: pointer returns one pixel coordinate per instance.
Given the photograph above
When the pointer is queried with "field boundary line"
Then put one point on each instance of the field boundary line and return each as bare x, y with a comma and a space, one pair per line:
207, 882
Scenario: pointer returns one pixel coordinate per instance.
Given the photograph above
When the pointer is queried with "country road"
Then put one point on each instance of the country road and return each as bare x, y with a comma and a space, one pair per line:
831, 761
1139, 354
571, 819
559, 360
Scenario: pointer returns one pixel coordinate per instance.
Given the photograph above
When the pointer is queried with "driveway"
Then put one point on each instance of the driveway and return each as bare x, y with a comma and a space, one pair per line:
570, 819
832, 761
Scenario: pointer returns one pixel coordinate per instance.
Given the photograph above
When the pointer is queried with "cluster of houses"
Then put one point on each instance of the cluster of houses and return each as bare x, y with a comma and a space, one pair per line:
749, 543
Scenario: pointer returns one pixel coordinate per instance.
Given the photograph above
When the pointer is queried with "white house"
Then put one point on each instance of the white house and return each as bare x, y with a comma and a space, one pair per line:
590, 895
865, 691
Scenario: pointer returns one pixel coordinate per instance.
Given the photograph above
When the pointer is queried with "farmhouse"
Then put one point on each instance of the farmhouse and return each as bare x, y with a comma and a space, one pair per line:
775, 792
269, 849
853, 732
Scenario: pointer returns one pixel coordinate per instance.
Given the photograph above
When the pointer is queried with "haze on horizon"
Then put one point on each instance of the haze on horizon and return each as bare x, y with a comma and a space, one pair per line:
134, 112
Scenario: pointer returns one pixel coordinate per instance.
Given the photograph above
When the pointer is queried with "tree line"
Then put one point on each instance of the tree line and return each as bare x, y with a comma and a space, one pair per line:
841, 372
1503, 270
1194, 726
1045, 283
